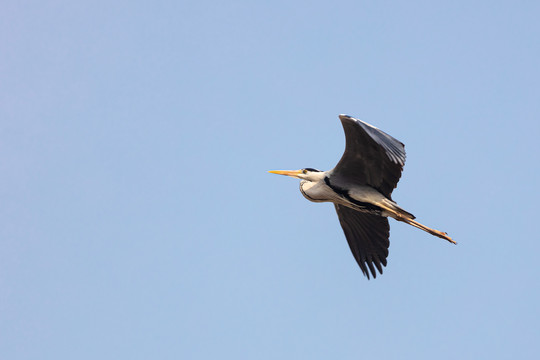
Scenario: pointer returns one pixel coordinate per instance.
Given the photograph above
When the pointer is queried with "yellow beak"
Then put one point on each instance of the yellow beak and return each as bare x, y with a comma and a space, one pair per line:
293, 173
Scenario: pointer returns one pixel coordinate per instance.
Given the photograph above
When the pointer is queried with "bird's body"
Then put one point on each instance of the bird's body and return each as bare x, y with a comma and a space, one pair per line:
360, 187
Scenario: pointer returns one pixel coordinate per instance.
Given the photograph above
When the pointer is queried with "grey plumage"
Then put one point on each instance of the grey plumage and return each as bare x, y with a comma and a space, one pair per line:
367, 236
360, 186
371, 157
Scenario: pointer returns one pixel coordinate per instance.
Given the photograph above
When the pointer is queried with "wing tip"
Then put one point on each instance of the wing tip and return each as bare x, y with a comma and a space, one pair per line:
366, 265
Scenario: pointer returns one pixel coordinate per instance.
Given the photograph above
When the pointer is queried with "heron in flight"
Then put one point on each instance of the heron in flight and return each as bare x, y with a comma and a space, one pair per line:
360, 186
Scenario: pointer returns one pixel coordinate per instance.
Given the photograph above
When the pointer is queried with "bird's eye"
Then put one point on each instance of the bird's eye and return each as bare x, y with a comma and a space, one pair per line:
304, 171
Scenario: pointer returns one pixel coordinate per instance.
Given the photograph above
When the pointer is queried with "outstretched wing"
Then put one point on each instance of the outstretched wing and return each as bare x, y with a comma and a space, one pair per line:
367, 236
371, 157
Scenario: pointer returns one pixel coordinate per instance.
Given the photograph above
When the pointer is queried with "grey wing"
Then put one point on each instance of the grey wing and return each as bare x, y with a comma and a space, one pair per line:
371, 157
367, 236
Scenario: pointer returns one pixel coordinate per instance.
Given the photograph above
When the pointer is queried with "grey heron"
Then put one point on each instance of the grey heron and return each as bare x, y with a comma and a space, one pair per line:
360, 186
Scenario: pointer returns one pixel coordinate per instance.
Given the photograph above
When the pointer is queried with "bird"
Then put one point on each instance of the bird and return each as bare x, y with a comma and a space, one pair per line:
360, 187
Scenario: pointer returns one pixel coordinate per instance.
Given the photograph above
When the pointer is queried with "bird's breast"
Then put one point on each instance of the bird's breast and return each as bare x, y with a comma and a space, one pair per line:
317, 191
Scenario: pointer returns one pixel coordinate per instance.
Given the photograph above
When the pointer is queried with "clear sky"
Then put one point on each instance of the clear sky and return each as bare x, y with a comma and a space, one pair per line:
137, 220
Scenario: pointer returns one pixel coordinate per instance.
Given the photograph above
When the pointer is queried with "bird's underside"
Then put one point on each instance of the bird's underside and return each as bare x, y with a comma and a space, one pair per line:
360, 186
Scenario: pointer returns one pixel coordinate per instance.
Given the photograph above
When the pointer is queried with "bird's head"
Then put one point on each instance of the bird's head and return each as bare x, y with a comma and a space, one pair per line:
308, 174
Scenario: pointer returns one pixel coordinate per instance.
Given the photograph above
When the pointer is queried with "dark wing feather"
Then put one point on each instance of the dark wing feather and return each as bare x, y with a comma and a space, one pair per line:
371, 157
367, 236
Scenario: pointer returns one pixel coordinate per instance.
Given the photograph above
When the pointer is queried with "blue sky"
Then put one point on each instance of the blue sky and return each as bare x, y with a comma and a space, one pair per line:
138, 220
